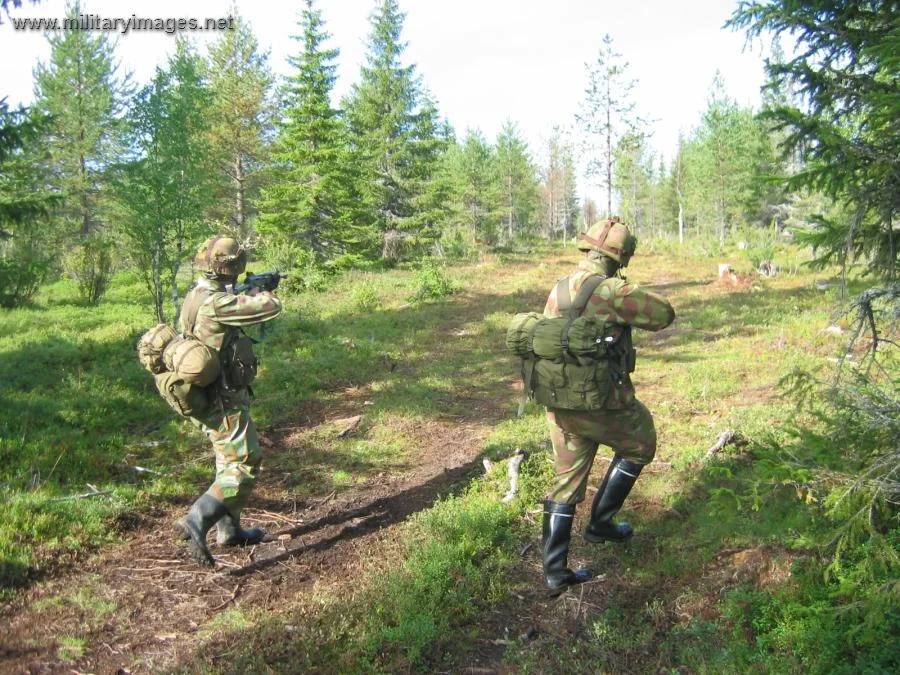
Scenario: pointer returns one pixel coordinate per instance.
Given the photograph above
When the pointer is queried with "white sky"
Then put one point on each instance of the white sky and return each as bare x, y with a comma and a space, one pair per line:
483, 60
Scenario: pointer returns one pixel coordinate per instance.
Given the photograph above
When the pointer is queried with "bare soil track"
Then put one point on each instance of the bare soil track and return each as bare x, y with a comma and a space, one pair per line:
160, 598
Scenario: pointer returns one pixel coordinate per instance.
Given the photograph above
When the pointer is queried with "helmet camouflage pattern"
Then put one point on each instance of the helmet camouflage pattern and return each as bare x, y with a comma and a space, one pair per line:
611, 238
221, 256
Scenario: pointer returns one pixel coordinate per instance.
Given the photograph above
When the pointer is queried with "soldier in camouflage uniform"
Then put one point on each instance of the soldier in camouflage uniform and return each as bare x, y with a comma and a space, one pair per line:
624, 423
215, 315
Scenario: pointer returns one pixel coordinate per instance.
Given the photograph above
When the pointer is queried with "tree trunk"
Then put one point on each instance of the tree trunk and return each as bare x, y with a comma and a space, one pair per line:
509, 193
240, 214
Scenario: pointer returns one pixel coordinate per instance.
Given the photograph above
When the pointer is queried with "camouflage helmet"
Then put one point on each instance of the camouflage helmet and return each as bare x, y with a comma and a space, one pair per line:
221, 256
611, 238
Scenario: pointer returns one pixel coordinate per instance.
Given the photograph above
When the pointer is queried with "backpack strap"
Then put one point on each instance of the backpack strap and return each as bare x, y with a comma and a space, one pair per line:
191, 308
585, 292
576, 308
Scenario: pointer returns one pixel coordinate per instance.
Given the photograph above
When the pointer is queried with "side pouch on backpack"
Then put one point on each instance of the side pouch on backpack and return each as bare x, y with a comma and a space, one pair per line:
192, 360
519, 334
188, 400
239, 363
151, 346
571, 385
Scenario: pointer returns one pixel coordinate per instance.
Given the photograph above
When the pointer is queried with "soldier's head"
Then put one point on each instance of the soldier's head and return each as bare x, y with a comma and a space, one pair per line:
221, 257
609, 239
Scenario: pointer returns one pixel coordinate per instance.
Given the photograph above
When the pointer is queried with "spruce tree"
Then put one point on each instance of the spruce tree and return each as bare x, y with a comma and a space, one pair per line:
383, 110
310, 201
844, 123
477, 189
241, 84
80, 91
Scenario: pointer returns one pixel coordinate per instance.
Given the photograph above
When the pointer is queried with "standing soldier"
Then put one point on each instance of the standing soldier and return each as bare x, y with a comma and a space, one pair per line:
623, 423
216, 316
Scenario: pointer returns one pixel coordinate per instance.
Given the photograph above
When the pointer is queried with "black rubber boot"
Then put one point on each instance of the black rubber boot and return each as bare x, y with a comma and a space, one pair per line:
230, 533
204, 513
557, 531
620, 478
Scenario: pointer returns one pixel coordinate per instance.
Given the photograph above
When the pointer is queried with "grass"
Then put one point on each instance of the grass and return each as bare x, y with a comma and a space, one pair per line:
728, 573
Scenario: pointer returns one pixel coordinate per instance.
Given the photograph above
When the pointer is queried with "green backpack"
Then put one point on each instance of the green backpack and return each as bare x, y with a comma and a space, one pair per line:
565, 360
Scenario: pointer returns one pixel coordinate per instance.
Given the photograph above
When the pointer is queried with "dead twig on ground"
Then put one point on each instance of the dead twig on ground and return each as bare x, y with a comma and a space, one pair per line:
328, 498
512, 471
94, 492
725, 438
274, 516
143, 469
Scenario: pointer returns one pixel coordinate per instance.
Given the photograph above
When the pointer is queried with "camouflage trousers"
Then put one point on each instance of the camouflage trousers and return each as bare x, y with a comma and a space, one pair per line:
577, 434
238, 455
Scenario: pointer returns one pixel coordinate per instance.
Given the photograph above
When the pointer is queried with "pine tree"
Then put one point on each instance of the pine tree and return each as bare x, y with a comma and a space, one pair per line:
241, 83
518, 177
607, 114
383, 110
310, 201
80, 91
169, 183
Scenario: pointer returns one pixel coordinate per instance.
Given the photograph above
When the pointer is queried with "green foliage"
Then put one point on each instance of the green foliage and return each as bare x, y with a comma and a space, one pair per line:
433, 283
22, 271
365, 298
762, 244
27, 249
311, 199
454, 558
394, 137
167, 185
725, 162
558, 191
84, 98
607, 114
843, 122
517, 174
241, 82
91, 265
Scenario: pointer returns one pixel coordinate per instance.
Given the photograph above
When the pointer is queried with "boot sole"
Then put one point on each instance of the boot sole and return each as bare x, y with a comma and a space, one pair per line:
599, 540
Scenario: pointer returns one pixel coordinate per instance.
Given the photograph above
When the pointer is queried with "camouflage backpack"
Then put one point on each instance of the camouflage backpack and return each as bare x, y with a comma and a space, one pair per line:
183, 369
566, 359
151, 346
235, 362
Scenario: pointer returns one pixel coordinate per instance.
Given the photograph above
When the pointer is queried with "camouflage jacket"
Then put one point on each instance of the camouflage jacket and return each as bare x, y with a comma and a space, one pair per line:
621, 303
222, 314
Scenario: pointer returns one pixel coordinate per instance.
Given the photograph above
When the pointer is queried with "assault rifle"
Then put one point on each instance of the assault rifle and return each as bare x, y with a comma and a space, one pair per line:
265, 281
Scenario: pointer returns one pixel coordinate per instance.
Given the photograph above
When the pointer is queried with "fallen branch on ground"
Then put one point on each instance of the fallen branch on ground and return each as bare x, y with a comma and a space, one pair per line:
513, 472
94, 492
725, 438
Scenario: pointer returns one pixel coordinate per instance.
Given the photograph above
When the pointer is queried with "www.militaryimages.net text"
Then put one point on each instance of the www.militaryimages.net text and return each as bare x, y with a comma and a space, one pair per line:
123, 25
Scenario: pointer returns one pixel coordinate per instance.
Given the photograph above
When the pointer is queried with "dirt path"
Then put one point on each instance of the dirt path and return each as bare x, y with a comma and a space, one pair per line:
141, 602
